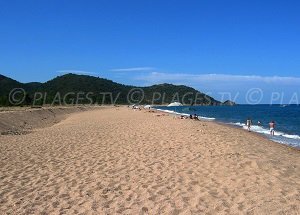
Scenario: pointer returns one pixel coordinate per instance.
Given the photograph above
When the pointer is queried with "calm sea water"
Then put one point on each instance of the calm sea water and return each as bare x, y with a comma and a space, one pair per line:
287, 118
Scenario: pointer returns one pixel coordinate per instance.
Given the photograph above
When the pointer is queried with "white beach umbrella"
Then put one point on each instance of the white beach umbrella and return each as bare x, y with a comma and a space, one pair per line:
175, 104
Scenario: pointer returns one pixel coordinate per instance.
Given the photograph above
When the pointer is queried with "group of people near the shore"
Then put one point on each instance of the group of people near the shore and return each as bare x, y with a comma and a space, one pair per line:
272, 125
194, 117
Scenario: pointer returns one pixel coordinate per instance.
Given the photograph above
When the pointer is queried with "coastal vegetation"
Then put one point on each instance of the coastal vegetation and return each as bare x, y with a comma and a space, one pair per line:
86, 89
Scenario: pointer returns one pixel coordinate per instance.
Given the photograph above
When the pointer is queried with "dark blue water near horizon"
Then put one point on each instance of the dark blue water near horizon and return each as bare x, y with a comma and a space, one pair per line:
287, 118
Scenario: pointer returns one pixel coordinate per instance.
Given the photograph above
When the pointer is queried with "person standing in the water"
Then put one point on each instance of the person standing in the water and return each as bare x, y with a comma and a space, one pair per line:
272, 128
249, 123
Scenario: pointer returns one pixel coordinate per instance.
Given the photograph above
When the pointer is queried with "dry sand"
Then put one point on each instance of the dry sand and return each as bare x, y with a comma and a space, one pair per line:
131, 162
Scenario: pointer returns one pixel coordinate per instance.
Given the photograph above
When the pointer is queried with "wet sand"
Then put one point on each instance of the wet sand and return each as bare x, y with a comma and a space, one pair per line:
117, 160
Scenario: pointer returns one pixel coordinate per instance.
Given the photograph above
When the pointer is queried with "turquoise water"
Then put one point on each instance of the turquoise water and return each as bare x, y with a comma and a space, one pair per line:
287, 118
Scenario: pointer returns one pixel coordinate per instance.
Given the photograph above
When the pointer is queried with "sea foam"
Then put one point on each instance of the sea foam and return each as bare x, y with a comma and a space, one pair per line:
279, 136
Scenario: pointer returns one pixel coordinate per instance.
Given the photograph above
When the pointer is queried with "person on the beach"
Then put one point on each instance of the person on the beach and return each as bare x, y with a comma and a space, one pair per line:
249, 123
259, 123
272, 128
195, 117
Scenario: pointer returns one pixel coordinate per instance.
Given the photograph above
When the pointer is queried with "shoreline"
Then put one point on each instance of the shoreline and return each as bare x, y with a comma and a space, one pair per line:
214, 120
264, 137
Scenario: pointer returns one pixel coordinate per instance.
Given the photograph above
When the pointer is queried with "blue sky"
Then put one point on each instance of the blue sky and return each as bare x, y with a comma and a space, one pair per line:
238, 44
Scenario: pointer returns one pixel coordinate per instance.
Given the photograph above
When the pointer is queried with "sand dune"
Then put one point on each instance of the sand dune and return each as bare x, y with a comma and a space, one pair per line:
120, 161
16, 121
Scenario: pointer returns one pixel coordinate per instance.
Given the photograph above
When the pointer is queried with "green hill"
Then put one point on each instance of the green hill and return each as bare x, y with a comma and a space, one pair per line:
88, 89
6, 85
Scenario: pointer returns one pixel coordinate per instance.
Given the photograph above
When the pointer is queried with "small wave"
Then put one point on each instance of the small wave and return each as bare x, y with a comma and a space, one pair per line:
167, 111
206, 118
296, 137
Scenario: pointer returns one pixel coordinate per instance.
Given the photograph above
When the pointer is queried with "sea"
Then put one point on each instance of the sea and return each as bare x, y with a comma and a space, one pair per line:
286, 117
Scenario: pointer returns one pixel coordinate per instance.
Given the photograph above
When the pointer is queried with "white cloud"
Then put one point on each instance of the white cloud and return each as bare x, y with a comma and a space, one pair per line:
228, 86
133, 69
76, 72
156, 77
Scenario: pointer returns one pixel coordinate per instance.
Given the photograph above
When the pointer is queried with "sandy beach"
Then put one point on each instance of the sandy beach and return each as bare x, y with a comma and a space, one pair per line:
121, 161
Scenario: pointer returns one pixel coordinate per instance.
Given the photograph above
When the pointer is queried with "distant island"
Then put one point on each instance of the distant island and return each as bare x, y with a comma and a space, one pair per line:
95, 90
229, 103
